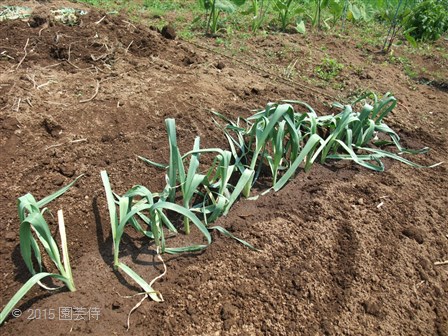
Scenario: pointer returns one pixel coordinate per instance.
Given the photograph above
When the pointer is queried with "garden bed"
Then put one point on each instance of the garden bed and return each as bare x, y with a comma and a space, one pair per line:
343, 250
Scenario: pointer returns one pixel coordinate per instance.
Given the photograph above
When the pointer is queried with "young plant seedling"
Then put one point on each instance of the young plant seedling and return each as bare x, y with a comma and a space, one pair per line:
32, 221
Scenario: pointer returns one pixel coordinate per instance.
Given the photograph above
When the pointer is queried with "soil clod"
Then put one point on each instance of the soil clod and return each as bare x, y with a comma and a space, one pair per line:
414, 233
52, 127
168, 32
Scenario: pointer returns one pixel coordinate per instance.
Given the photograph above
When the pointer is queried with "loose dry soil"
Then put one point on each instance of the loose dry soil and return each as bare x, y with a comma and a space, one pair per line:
344, 250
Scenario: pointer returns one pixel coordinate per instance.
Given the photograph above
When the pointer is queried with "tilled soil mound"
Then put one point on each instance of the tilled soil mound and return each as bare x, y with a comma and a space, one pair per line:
343, 250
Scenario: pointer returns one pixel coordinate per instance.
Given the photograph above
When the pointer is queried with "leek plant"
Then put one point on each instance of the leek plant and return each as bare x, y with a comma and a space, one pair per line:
140, 204
31, 215
283, 139
272, 136
213, 188
355, 132
215, 181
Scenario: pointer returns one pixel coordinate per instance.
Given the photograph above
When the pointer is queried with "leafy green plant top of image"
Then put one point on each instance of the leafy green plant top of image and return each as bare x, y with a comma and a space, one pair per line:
428, 21
286, 11
328, 69
258, 10
323, 12
214, 8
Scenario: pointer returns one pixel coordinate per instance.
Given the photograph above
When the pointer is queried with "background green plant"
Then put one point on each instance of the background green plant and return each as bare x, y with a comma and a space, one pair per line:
287, 10
258, 10
428, 21
328, 69
214, 8
417, 20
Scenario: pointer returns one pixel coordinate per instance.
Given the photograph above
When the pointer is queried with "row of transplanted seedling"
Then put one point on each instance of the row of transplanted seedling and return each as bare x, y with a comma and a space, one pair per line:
278, 138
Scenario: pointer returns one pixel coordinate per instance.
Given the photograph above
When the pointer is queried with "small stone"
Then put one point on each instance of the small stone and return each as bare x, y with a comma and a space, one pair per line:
187, 61
52, 128
58, 181
67, 170
414, 233
365, 76
360, 201
37, 21
372, 308
168, 32
255, 90
425, 264
296, 284
106, 138
116, 305
220, 65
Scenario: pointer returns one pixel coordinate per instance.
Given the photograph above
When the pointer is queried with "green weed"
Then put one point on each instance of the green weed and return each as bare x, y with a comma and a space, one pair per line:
328, 69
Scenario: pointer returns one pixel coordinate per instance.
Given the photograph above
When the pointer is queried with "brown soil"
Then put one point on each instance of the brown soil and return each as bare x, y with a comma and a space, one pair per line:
344, 251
